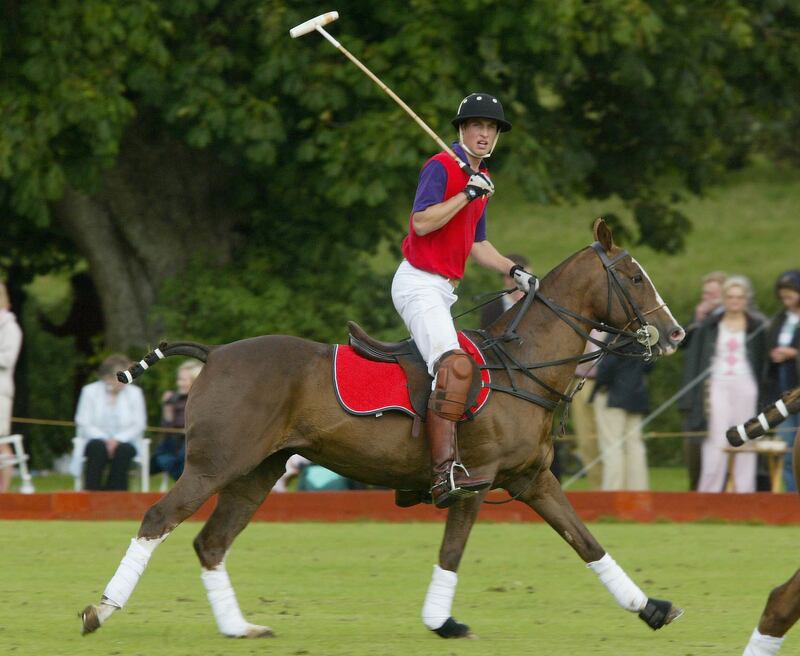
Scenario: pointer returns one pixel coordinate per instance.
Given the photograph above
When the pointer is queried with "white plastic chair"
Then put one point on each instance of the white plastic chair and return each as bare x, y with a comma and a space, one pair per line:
20, 458
141, 459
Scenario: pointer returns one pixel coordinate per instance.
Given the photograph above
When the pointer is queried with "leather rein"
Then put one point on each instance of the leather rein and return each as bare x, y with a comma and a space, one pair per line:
646, 336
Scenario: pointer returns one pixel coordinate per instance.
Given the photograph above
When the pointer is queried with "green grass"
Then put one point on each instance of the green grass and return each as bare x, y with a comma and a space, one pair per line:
356, 590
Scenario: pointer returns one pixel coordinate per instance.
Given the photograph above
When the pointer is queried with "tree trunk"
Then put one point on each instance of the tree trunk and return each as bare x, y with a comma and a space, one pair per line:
161, 206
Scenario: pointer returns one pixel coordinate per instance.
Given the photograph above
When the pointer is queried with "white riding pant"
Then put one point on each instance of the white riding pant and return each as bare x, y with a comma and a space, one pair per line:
423, 300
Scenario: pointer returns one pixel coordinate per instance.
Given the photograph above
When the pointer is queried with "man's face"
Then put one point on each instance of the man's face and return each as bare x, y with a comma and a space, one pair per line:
479, 135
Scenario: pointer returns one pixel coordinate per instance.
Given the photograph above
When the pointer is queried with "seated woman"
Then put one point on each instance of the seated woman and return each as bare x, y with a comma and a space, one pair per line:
171, 451
111, 421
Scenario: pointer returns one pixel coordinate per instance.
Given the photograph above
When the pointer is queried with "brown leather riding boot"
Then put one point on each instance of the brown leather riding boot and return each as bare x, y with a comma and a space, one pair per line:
450, 481
456, 376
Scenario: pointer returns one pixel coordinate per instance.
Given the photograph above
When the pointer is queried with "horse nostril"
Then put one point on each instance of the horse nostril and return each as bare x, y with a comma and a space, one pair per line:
676, 336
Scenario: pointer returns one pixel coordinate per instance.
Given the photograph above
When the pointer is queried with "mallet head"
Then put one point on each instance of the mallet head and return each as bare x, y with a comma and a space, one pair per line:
312, 24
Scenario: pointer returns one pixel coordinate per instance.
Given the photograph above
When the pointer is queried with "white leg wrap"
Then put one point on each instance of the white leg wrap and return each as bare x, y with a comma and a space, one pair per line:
762, 645
619, 584
121, 585
439, 600
223, 602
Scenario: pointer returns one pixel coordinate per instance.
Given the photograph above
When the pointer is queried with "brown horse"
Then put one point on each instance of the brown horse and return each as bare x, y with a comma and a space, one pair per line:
783, 604
259, 400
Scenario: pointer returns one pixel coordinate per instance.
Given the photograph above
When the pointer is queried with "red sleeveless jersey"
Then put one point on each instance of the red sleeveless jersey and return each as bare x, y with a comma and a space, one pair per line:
445, 251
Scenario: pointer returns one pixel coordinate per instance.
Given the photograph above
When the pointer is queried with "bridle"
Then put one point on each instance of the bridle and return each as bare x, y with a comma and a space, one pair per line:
646, 335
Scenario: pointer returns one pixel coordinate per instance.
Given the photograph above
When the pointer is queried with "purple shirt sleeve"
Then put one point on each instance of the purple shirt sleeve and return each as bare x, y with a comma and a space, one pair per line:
480, 229
431, 187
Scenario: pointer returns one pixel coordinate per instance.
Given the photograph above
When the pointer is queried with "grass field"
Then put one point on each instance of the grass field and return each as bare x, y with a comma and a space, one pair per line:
356, 589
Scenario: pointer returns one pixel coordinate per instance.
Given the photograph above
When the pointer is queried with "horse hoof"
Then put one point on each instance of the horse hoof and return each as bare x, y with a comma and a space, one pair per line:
674, 614
658, 613
453, 629
256, 631
90, 620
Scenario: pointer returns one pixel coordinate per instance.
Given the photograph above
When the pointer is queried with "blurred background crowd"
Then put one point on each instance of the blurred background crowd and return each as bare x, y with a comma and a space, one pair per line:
187, 171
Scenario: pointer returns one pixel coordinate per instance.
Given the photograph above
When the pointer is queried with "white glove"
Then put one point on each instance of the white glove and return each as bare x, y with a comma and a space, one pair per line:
525, 281
478, 185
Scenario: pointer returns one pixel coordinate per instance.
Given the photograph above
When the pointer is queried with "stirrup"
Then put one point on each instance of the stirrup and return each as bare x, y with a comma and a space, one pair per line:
455, 491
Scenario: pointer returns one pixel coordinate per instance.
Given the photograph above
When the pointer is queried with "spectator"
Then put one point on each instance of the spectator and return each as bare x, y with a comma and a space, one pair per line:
732, 344
313, 477
583, 418
10, 345
710, 303
621, 401
111, 419
171, 452
492, 311
782, 367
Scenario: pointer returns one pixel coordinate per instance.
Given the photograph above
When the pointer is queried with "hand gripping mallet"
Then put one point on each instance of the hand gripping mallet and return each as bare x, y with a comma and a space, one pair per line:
315, 24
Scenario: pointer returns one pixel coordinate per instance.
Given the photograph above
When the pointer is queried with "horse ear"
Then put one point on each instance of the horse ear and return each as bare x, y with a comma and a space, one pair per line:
602, 234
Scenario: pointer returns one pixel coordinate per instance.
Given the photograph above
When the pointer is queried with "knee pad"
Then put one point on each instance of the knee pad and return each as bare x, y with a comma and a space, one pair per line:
457, 377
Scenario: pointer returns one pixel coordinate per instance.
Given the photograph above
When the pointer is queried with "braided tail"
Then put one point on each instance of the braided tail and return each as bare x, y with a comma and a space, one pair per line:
770, 417
164, 350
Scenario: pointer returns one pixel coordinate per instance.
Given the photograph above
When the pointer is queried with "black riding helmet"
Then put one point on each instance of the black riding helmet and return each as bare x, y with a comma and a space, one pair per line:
481, 105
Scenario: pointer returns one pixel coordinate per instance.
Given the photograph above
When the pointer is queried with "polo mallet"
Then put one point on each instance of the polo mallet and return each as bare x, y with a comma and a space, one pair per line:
315, 24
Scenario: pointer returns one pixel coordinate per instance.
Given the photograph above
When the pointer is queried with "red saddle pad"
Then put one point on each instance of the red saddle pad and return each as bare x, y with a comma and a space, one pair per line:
366, 387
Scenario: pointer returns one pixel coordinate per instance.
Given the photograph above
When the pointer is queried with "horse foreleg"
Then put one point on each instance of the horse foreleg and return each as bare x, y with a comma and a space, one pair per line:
237, 503
547, 498
439, 599
780, 614
180, 502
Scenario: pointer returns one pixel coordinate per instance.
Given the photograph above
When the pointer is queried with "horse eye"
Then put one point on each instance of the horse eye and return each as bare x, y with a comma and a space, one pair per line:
637, 279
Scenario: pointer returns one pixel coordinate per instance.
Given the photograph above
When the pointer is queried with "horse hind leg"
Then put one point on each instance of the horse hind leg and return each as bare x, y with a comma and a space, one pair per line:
547, 498
237, 503
780, 614
186, 496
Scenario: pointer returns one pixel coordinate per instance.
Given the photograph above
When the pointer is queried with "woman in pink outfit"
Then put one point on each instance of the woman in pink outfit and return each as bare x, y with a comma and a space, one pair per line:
732, 344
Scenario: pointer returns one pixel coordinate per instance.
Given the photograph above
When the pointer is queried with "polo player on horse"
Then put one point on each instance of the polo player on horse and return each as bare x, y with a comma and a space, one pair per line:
447, 225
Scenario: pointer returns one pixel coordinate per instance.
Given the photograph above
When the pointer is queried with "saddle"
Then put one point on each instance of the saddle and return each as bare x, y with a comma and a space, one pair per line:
407, 355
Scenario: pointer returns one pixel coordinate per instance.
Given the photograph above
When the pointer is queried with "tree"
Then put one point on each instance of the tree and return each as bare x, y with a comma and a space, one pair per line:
192, 152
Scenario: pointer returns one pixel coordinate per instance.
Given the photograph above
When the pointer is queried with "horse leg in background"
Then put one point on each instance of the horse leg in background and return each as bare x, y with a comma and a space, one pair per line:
783, 604
237, 503
780, 614
547, 498
439, 598
190, 492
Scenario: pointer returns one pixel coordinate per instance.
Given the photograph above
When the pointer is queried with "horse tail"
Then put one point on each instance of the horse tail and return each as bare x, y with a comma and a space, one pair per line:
164, 350
769, 417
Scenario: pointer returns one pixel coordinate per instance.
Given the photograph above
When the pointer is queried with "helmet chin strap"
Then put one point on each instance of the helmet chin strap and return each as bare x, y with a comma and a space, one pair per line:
467, 149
